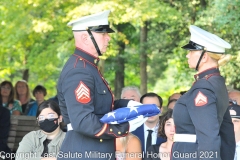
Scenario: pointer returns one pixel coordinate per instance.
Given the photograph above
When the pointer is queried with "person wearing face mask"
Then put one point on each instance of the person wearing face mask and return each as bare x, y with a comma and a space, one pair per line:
45, 143
204, 129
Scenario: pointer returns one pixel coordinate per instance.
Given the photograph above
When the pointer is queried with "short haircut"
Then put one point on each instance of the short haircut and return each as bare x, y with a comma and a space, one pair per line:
151, 94
49, 104
162, 121
133, 88
40, 88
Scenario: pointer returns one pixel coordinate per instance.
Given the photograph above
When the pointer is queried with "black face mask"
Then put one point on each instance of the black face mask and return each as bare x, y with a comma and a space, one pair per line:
49, 125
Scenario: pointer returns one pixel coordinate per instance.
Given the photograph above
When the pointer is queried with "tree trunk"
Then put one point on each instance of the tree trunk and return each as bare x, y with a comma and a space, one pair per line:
119, 73
25, 71
25, 74
203, 3
143, 58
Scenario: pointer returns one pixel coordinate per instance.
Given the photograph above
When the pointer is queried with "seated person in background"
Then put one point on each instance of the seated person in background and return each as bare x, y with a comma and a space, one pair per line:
234, 110
22, 93
166, 130
147, 133
131, 92
4, 130
7, 98
234, 95
125, 146
47, 141
39, 93
173, 99
171, 103
54, 98
174, 96
128, 148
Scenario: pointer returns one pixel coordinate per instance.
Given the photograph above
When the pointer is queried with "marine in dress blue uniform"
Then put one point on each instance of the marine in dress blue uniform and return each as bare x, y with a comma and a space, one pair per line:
85, 96
203, 125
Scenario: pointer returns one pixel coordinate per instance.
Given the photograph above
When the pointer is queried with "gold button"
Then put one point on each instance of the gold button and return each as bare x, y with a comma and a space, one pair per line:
127, 132
119, 132
100, 140
80, 59
111, 130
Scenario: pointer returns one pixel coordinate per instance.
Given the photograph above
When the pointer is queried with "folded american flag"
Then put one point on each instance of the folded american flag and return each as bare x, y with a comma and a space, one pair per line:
126, 114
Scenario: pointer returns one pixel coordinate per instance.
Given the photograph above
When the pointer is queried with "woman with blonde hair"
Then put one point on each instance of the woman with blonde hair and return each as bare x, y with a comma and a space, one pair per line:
203, 124
22, 93
128, 148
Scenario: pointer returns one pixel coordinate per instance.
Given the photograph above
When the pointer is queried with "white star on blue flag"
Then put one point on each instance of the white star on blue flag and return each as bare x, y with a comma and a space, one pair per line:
126, 114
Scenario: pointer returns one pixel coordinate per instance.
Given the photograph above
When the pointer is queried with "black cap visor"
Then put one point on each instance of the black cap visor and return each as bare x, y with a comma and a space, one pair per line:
193, 46
101, 29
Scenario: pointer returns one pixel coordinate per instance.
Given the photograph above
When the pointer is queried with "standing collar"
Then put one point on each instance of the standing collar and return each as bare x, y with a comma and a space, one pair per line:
87, 56
206, 73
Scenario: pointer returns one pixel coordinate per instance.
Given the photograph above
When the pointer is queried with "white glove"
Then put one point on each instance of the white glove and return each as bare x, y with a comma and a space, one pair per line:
137, 122
133, 103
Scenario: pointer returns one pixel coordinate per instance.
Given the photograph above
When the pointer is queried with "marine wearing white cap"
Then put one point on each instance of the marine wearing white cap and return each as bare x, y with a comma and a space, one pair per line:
208, 42
93, 23
201, 116
96, 22
85, 97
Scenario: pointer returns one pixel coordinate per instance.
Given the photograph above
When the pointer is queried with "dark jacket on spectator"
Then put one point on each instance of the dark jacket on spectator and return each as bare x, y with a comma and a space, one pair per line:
4, 129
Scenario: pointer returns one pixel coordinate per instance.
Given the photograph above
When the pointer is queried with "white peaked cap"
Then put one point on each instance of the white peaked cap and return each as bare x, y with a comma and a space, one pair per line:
97, 19
209, 41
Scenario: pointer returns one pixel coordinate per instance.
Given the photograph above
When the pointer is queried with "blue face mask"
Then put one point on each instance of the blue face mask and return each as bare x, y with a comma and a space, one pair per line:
49, 125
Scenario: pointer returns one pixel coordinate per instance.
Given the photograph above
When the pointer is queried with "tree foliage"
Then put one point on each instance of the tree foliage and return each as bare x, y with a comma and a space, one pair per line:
34, 39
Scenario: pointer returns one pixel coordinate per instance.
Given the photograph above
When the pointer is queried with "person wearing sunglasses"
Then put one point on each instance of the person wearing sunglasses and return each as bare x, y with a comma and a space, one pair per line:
43, 144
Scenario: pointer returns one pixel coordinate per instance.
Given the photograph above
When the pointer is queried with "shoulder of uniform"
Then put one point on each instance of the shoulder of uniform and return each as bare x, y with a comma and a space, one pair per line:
202, 85
82, 63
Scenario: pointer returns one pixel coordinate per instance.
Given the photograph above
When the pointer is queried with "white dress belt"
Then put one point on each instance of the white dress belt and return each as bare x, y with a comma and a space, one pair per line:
69, 127
192, 138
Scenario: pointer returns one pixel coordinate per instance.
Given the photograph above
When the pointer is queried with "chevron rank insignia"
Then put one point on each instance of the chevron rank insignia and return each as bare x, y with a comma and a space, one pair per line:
200, 99
82, 93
